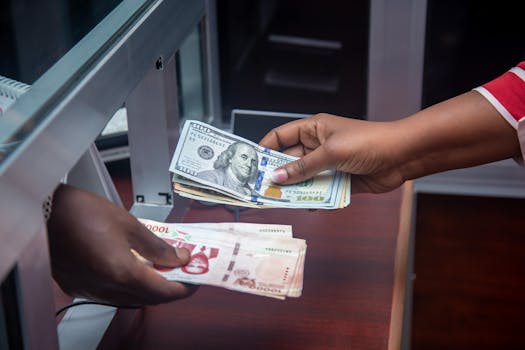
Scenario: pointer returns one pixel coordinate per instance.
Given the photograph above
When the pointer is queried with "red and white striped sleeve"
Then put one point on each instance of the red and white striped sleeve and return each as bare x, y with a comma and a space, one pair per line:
507, 94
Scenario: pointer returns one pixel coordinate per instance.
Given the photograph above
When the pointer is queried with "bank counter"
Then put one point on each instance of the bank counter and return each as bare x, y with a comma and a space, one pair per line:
353, 294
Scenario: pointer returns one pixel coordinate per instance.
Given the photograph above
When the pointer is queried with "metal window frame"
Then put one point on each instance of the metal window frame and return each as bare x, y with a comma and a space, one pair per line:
79, 94
395, 85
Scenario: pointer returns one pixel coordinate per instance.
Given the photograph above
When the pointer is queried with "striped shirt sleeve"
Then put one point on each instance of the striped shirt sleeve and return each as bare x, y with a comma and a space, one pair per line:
507, 94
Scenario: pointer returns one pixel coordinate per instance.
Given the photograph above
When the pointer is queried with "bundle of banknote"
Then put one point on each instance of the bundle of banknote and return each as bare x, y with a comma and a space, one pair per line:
262, 259
213, 165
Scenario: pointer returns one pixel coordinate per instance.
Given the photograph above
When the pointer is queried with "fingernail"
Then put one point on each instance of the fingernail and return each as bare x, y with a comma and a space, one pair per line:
182, 253
279, 175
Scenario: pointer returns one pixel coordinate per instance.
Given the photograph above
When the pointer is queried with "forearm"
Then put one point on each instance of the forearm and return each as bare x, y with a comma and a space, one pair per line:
461, 132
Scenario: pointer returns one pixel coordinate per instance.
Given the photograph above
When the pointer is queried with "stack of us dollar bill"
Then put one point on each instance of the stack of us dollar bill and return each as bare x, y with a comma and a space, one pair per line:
213, 165
261, 259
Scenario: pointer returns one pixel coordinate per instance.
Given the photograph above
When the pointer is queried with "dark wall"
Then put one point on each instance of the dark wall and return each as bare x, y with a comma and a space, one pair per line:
469, 43
258, 73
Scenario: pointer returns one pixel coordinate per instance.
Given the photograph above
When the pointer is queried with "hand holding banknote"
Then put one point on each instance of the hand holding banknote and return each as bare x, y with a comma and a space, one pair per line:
382, 155
90, 240
330, 142
210, 164
259, 259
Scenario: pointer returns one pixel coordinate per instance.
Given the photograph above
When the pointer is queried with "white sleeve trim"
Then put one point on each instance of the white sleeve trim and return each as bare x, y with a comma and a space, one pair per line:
519, 72
521, 137
519, 126
499, 107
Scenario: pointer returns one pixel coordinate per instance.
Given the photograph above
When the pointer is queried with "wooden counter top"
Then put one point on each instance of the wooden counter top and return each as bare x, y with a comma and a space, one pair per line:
353, 294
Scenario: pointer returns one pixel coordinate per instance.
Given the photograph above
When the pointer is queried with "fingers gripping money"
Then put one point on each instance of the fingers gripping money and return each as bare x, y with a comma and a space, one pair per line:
213, 165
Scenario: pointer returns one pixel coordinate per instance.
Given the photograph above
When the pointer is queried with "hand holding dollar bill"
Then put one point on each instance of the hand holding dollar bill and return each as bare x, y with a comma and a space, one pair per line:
213, 165
260, 259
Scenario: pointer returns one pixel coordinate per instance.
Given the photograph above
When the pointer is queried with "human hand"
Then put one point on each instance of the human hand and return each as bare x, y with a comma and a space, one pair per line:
90, 242
382, 155
363, 148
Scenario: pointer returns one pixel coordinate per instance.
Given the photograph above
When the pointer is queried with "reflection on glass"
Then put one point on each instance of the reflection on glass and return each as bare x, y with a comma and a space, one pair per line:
190, 87
36, 43
113, 142
10, 91
33, 37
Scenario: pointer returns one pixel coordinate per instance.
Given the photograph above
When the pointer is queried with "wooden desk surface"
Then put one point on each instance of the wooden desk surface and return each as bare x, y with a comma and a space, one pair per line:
350, 289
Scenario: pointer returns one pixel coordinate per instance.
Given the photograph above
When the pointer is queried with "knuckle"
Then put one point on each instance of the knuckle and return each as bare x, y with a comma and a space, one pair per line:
275, 135
300, 167
117, 271
322, 116
164, 249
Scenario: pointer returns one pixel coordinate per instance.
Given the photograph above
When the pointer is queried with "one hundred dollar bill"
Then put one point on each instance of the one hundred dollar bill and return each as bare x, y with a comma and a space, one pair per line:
251, 258
210, 163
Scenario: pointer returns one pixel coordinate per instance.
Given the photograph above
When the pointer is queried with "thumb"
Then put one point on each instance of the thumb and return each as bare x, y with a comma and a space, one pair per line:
157, 251
301, 169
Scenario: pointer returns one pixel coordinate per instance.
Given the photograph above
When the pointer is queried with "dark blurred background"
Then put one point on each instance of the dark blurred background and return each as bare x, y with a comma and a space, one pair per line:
290, 55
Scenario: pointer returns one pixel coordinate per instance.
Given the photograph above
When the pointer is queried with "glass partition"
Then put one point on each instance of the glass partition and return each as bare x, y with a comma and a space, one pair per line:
52, 48
35, 35
96, 62
190, 62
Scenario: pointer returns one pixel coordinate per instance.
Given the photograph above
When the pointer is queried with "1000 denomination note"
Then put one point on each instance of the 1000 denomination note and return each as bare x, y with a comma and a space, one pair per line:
232, 165
244, 258
217, 227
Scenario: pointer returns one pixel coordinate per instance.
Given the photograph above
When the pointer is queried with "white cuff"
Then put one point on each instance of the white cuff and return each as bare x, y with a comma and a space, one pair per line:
521, 137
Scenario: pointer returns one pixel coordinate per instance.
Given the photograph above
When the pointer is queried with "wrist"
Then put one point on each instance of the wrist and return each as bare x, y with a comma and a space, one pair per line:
420, 145
401, 148
461, 132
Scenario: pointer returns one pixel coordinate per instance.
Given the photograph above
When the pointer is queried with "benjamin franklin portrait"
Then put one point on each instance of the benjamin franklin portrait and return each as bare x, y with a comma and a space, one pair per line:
235, 168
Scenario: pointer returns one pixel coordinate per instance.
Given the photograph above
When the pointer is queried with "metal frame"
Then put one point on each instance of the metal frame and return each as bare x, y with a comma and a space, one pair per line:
152, 132
395, 83
212, 67
79, 94
395, 58
153, 97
